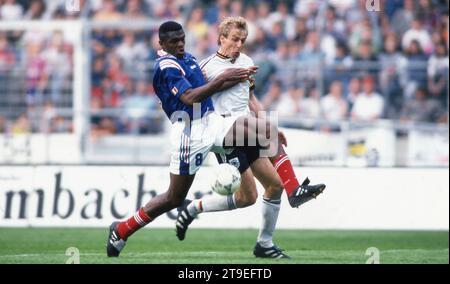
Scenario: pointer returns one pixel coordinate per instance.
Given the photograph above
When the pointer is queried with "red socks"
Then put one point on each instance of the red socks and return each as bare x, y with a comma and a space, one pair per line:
134, 223
284, 169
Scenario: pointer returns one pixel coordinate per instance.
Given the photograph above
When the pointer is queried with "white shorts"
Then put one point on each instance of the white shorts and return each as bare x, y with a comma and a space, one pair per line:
189, 150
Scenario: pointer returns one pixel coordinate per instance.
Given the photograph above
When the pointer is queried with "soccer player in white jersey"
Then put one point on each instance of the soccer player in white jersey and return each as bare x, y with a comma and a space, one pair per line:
239, 100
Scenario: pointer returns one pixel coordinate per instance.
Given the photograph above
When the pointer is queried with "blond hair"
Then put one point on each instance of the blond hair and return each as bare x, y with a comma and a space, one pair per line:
231, 22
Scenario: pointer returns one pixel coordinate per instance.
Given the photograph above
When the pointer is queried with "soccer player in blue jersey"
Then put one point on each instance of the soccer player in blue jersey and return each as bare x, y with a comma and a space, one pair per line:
196, 128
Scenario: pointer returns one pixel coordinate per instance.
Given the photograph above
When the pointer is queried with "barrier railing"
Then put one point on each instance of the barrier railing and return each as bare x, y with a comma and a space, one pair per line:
311, 142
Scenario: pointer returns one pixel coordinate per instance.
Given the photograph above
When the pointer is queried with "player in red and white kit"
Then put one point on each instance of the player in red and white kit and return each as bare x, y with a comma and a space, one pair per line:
274, 174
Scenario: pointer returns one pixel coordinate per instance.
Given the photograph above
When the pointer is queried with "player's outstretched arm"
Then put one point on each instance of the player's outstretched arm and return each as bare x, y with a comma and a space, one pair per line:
231, 75
230, 84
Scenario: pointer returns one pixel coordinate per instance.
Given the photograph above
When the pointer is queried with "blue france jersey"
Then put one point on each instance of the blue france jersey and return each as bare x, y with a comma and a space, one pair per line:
172, 78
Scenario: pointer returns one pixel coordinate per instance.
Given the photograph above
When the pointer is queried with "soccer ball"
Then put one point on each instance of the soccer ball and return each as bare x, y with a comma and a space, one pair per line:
226, 179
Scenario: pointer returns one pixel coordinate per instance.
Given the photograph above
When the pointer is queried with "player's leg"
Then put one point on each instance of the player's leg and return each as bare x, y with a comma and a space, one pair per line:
186, 158
247, 129
172, 198
245, 196
283, 165
224, 130
268, 177
297, 194
252, 131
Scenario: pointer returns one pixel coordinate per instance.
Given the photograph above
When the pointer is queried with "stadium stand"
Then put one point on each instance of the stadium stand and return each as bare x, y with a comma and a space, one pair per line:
326, 60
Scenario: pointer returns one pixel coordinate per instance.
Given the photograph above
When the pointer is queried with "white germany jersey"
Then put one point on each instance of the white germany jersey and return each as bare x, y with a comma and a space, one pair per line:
235, 99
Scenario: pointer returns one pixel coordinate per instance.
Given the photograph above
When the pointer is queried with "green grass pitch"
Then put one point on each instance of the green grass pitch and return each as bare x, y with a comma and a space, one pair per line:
45, 245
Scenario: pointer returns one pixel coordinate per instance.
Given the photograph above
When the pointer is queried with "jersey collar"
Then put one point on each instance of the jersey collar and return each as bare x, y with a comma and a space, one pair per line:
161, 53
227, 58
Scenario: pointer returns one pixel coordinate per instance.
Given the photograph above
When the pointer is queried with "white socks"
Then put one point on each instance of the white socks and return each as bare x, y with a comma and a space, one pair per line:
212, 203
270, 210
215, 202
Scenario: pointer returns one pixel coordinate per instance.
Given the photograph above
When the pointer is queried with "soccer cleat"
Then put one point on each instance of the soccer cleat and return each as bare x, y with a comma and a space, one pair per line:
305, 193
114, 243
272, 252
184, 219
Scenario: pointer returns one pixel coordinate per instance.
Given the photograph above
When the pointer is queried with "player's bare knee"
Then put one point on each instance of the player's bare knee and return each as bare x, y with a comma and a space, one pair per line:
252, 198
249, 199
246, 197
274, 190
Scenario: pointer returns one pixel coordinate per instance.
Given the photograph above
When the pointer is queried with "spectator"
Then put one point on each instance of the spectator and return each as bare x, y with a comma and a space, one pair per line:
273, 96
132, 53
98, 72
276, 35
196, 26
289, 104
134, 10
36, 10
154, 47
281, 15
310, 106
366, 61
364, 33
167, 9
263, 17
438, 74
36, 77
307, 8
333, 106
416, 68
403, 18
11, 10
108, 12
368, 105
251, 17
281, 59
7, 56
419, 34
45, 117
301, 30
138, 108
7, 60
391, 75
341, 65
61, 125
354, 88
236, 8
311, 53
57, 66
214, 10
21, 125
3, 125
421, 108
115, 82
101, 125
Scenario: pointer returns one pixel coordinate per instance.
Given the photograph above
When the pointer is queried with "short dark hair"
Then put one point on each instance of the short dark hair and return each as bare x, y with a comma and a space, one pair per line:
168, 27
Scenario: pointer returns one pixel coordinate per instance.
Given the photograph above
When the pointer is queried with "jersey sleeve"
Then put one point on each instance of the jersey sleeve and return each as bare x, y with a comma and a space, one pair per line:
176, 82
207, 68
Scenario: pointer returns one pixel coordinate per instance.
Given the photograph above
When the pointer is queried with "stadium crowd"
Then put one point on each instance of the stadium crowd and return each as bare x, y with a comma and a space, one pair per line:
331, 60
